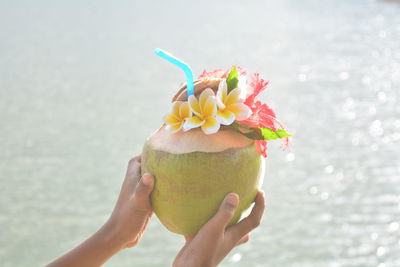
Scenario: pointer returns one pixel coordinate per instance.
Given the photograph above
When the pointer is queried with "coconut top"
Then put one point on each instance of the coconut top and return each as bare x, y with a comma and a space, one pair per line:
195, 140
199, 86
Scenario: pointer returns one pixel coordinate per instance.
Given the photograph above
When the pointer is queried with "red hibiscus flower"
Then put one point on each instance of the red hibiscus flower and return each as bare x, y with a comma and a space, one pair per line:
220, 73
262, 115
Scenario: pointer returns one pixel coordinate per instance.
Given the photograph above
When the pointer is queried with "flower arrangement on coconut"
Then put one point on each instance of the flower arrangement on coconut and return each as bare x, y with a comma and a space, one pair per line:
231, 106
211, 143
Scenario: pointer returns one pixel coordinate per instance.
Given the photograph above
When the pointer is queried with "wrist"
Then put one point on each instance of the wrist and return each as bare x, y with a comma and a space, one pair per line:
111, 237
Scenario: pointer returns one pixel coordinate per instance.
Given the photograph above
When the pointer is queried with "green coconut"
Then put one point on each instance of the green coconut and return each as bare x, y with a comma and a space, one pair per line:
193, 172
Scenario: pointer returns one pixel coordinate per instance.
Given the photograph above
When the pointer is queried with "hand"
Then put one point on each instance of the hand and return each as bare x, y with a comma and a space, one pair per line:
123, 229
214, 241
133, 209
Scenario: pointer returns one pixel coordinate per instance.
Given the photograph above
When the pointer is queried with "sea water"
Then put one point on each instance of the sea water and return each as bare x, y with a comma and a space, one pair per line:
80, 90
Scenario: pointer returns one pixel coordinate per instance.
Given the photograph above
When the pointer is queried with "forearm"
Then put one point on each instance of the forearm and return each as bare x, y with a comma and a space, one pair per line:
123, 229
93, 252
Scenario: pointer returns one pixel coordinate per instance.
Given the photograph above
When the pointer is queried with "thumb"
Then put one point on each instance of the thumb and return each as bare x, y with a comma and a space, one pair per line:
143, 191
225, 212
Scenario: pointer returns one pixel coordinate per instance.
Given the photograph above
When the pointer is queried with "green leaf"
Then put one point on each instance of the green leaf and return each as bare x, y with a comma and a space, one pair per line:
258, 133
250, 132
233, 79
270, 134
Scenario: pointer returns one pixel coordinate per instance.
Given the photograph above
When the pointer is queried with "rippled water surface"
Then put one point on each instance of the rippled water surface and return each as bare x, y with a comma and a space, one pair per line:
80, 90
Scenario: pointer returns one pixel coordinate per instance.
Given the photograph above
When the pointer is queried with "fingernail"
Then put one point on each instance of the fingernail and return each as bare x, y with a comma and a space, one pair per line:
233, 199
146, 178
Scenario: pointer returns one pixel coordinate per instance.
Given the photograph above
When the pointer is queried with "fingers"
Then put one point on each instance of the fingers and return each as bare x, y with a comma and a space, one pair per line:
138, 158
142, 193
135, 159
243, 240
133, 171
208, 240
238, 231
188, 238
225, 212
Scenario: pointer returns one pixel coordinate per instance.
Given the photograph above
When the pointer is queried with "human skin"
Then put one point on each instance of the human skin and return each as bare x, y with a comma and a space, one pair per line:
214, 241
123, 229
132, 213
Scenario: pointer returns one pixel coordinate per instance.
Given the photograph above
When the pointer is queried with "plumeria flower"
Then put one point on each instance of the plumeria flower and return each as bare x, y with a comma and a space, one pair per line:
180, 113
204, 109
230, 105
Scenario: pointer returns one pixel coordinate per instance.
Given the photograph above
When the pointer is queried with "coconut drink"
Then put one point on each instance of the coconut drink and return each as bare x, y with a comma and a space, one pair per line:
212, 142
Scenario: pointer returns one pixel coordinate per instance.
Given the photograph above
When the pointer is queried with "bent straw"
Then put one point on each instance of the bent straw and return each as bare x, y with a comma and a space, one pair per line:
184, 66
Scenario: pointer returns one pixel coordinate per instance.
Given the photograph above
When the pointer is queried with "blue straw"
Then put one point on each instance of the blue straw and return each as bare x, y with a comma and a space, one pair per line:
184, 66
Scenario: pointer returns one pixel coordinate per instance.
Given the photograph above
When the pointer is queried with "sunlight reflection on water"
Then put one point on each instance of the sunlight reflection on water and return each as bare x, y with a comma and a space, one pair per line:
80, 90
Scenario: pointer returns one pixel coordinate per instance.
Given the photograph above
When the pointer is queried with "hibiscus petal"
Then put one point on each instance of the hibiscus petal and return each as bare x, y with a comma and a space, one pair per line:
184, 111
233, 97
225, 117
222, 93
171, 119
262, 116
210, 108
240, 110
218, 73
194, 105
256, 86
173, 128
192, 122
210, 126
204, 97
